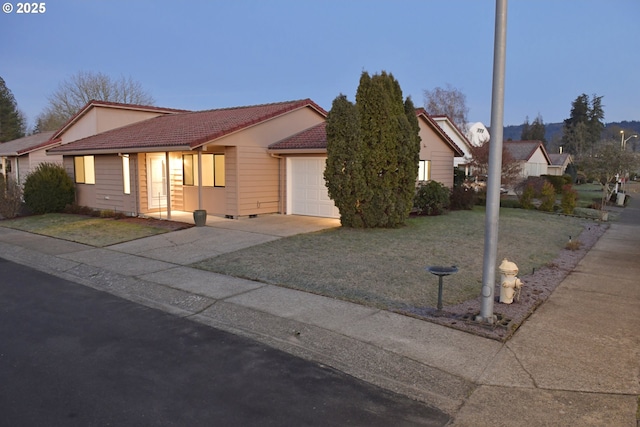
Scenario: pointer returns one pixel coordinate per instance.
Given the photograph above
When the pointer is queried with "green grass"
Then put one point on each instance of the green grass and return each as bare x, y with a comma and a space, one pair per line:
588, 194
98, 232
386, 267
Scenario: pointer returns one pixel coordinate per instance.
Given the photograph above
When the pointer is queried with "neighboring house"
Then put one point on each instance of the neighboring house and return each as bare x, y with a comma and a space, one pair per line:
304, 158
531, 155
477, 134
459, 138
21, 156
559, 163
217, 160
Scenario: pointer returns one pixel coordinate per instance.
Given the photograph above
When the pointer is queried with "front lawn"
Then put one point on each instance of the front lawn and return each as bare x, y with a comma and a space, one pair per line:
89, 230
385, 268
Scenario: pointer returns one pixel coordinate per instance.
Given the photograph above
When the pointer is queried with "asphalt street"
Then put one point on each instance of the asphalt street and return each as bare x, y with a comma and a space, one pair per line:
71, 355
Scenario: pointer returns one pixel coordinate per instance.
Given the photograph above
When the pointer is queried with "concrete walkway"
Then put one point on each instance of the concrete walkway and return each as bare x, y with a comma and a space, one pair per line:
576, 361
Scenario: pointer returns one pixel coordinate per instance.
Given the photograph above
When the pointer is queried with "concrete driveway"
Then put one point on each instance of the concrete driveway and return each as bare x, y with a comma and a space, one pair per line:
221, 236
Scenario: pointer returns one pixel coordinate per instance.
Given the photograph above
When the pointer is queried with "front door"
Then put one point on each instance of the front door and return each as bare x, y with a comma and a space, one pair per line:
157, 180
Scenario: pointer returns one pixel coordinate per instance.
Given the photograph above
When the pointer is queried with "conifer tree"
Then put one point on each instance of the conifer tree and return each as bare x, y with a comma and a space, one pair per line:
12, 122
372, 181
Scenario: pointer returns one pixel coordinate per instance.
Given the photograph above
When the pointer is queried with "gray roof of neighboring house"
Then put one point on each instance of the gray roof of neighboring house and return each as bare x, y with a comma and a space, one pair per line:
19, 146
523, 150
559, 159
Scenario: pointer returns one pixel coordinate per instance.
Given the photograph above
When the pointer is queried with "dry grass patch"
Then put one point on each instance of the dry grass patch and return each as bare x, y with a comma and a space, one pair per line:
98, 232
385, 268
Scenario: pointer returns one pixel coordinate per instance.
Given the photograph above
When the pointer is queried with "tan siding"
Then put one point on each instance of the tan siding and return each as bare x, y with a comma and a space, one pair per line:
258, 182
111, 118
142, 183
232, 180
109, 188
40, 156
433, 148
85, 126
442, 167
252, 180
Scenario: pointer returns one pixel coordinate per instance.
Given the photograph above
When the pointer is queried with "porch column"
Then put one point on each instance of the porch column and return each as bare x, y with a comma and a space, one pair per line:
200, 178
168, 175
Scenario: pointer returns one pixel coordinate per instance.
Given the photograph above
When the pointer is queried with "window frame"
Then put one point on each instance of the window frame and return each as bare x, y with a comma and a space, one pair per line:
424, 169
216, 163
83, 166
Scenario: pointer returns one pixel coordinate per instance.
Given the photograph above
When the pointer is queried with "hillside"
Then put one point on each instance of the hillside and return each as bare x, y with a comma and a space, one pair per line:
554, 130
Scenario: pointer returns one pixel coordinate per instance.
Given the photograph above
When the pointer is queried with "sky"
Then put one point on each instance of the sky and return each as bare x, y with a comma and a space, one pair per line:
200, 55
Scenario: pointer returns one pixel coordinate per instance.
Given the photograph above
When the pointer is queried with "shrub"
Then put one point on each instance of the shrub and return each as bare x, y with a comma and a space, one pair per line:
78, 210
527, 196
557, 181
462, 198
569, 199
547, 197
10, 198
48, 189
510, 203
431, 198
573, 245
459, 176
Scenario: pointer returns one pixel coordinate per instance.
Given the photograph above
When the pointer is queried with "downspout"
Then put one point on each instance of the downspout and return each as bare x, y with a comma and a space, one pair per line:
168, 173
199, 178
280, 198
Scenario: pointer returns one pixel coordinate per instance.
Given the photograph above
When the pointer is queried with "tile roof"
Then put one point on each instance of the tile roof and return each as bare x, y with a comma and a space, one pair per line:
25, 144
316, 137
523, 150
182, 130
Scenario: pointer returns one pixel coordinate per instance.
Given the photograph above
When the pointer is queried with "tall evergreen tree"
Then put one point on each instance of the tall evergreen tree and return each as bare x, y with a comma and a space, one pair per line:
526, 130
12, 122
582, 130
372, 166
538, 130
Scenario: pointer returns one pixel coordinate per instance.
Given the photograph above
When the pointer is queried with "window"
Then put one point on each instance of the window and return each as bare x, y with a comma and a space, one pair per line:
213, 170
84, 169
424, 170
126, 177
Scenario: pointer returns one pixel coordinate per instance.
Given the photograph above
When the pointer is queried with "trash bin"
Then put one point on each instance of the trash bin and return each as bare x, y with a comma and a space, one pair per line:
620, 198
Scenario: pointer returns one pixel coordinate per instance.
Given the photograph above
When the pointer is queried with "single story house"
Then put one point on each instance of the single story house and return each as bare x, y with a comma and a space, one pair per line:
532, 156
21, 156
231, 162
459, 138
215, 160
559, 163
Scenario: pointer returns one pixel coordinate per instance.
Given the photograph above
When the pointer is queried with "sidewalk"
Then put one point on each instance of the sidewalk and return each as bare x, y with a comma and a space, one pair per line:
576, 361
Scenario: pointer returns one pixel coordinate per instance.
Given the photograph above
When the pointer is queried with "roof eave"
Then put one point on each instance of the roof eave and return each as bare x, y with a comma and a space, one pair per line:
286, 151
122, 150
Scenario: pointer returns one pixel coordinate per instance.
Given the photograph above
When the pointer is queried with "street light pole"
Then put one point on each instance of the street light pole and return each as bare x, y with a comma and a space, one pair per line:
495, 166
623, 142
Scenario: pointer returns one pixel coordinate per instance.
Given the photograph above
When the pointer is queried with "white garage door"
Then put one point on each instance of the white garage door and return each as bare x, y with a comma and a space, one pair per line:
307, 192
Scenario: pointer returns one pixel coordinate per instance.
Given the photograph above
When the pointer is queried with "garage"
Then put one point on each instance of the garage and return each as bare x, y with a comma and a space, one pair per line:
307, 193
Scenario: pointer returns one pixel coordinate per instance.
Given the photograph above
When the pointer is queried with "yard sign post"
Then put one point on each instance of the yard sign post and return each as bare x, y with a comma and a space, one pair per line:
495, 166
